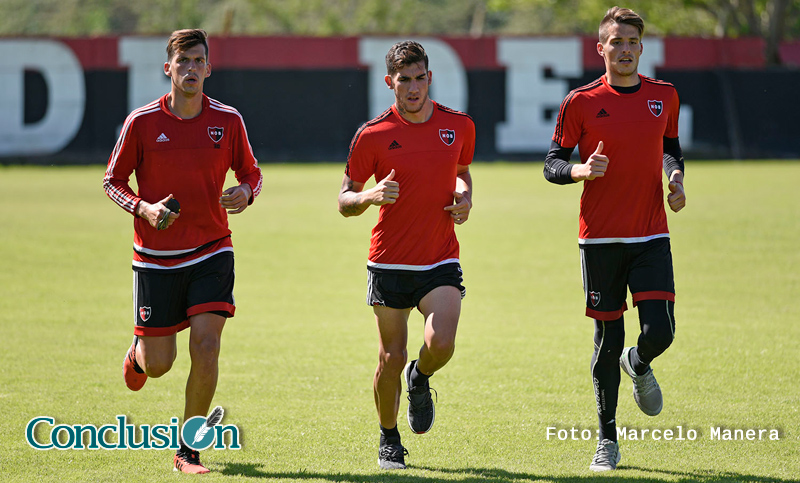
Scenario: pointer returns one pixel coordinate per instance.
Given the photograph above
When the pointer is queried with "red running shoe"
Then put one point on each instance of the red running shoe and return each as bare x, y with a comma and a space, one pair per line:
133, 378
189, 462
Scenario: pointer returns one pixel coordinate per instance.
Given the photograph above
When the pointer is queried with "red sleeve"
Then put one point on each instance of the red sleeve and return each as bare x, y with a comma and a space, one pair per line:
123, 160
672, 121
468, 148
568, 125
244, 161
361, 162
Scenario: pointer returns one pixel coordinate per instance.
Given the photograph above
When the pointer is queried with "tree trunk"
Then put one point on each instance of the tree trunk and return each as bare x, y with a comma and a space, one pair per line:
478, 19
777, 12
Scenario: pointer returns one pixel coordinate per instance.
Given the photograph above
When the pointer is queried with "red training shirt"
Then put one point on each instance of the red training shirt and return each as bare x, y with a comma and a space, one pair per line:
415, 232
189, 158
627, 204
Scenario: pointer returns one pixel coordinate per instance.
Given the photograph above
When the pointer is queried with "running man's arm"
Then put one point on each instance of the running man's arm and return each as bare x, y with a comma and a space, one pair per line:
462, 196
237, 198
124, 159
464, 182
673, 158
673, 168
557, 168
353, 201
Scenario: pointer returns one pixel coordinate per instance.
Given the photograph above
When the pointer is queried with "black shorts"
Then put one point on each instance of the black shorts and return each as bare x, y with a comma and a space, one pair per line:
609, 269
402, 289
163, 300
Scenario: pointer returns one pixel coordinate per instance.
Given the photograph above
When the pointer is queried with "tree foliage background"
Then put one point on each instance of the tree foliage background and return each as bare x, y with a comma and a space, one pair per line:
772, 20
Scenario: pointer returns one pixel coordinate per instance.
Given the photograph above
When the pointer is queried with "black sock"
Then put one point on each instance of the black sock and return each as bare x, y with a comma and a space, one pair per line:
136, 366
418, 378
183, 448
390, 435
639, 366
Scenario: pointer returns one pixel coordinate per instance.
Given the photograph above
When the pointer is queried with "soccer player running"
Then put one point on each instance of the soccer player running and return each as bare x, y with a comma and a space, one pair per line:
181, 147
419, 152
625, 126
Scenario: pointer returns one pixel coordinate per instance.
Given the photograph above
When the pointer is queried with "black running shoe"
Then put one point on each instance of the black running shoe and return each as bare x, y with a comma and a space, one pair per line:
391, 456
421, 412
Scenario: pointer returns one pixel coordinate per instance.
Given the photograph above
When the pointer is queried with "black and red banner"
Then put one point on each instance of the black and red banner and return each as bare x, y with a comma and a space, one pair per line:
302, 98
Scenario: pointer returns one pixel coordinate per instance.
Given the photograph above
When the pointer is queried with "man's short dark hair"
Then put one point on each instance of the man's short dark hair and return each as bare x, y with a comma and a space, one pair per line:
623, 16
403, 54
183, 40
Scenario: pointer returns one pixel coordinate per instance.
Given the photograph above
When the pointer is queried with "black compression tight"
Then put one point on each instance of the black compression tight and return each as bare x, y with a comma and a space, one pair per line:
609, 340
657, 321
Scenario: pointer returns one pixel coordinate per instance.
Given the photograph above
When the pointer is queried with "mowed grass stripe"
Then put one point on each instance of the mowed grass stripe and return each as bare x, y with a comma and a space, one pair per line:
297, 360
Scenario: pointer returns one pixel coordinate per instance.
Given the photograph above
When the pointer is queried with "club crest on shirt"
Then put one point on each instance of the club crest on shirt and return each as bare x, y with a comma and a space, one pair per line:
215, 133
144, 313
655, 107
448, 136
594, 297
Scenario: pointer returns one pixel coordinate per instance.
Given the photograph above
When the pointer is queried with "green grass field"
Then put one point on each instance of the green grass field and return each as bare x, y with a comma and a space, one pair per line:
297, 360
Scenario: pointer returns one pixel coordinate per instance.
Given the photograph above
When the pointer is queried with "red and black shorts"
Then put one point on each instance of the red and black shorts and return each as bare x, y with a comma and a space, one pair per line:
402, 289
164, 299
609, 269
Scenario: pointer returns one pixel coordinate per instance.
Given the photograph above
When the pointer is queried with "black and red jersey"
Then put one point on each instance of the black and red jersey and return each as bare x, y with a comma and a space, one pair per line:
188, 158
627, 204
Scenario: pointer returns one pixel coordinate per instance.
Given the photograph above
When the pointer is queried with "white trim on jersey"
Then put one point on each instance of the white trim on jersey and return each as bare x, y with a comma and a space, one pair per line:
641, 239
119, 197
188, 263
413, 268
161, 253
215, 104
135, 297
584, 271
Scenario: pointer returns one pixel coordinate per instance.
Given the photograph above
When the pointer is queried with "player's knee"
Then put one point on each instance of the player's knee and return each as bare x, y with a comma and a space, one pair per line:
609, 341
609, 353
441, 349
204, 350
656, 340
393, 362
658, 325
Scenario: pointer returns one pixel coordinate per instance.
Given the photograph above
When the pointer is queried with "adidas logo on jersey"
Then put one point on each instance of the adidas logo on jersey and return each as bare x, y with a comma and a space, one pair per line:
394, 145
162, 139
603, 113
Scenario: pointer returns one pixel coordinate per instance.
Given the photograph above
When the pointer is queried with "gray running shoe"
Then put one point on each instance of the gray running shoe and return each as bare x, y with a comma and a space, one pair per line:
391, 456
421, 412
646, 390
606, 457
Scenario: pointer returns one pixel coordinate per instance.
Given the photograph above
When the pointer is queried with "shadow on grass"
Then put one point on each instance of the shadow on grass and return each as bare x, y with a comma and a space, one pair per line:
494, 475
